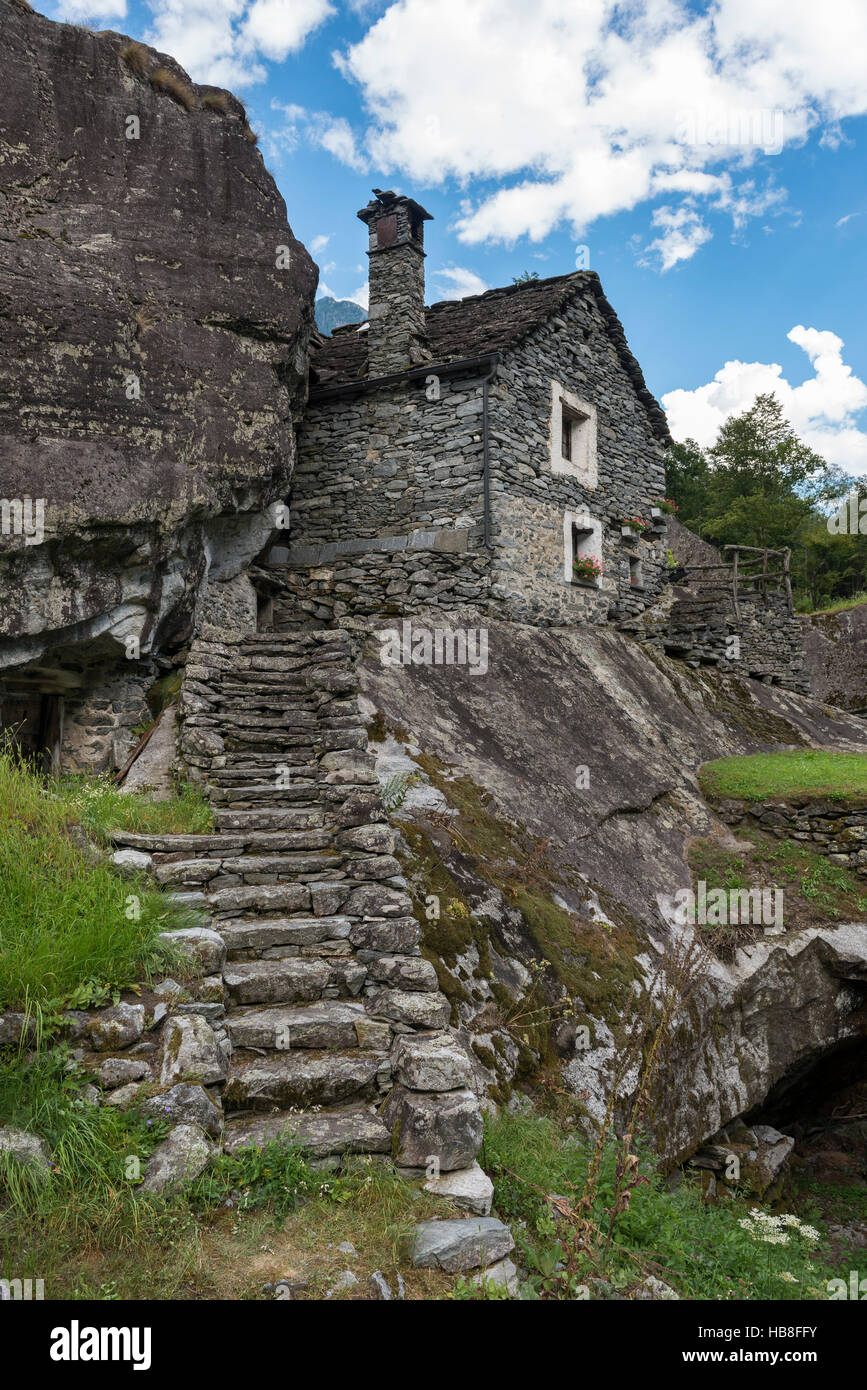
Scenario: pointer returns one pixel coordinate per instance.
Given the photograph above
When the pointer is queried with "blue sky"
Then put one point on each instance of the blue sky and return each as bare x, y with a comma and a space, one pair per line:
709, 157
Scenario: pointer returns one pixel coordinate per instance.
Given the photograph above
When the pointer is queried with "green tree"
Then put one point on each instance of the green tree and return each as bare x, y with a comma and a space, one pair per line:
687, 474
760, 485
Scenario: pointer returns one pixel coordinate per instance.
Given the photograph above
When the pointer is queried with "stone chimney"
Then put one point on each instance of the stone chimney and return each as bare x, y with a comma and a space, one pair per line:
396, 337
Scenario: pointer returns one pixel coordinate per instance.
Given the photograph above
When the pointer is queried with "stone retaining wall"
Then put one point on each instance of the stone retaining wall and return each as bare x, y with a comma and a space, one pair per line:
835, 829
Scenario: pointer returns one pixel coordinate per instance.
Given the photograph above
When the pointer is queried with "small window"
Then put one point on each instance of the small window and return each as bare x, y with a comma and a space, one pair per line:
636, 576
573, 436
573, 424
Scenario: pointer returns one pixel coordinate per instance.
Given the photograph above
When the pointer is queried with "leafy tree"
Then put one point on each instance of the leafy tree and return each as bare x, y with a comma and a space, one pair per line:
687, 473
760, 485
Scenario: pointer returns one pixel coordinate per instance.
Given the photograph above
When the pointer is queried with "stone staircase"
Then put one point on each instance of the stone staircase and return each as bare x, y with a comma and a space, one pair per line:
337, 1033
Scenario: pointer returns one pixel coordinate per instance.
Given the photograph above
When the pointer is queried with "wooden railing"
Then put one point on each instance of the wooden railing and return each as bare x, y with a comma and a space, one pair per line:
747, 574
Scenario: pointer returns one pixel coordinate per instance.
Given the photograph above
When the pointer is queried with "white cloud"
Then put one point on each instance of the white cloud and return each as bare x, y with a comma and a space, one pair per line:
223, 41
319, 128
460, 283
334, 134
824, 409
90, 11
276, 28
319, 243
682, 233
361, 295
586, 110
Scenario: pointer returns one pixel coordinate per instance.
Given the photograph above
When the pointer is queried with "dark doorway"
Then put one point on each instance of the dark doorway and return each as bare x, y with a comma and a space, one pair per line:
35, 722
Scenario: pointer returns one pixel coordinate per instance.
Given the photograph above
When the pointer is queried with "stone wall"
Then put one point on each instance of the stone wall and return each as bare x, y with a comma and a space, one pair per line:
98, 721
697, 623
834, 828
576, 350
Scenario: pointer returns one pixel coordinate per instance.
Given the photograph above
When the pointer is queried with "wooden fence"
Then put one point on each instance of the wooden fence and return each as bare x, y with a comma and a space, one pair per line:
747, 574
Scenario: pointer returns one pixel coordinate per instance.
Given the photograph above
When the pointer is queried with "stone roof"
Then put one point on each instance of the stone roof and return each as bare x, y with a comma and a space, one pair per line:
496, 321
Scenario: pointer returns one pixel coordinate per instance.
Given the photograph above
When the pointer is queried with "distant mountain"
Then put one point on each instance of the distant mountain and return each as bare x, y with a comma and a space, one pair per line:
334, 313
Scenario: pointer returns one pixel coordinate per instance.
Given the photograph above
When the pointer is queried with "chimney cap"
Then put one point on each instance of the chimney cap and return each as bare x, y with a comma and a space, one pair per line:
385, 200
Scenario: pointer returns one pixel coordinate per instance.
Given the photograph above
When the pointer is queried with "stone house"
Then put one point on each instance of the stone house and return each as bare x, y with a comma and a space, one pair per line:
470, 452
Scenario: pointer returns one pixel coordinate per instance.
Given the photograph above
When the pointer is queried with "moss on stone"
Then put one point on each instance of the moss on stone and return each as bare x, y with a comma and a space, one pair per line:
484, 1054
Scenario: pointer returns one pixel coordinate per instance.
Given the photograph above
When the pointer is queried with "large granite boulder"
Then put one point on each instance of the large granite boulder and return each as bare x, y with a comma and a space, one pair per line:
157, 309
835, 648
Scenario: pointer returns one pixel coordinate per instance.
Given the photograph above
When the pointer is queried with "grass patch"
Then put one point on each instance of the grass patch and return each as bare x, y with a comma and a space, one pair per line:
815, 891
215, 101
697, 1248
800, 772
251, 1218
137, 58
854, 602
98, 805
70, 932
164, 80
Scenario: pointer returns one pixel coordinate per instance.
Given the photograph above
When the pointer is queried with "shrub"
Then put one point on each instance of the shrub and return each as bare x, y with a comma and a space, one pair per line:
136, 58
250, 134
164, 80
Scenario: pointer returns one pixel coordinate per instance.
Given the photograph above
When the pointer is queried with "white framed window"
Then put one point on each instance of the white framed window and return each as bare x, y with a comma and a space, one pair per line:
582, 540
573, 436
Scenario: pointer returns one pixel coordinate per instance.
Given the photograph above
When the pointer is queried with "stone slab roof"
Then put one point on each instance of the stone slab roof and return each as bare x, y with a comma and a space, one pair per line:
485, 323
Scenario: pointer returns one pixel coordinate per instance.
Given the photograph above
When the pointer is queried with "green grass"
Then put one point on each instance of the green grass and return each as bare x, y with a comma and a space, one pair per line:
696, 1247
800, 772
72, 931
101, 807
89, 1231
854, 602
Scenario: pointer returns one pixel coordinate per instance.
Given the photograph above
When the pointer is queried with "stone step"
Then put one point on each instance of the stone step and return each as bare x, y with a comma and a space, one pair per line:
259, 933
267, 898
303, 1078
285, 717
346, 1129
284, 818
333, 1023
294, 980
247, 868
181, 844
289, 981
265, 775
257, 795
